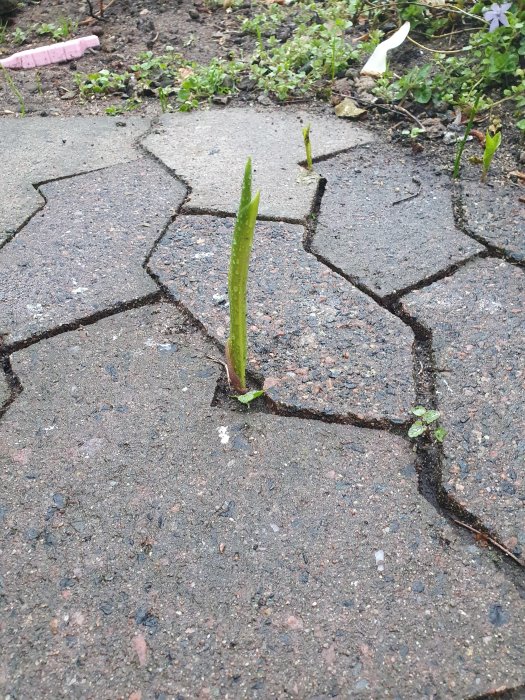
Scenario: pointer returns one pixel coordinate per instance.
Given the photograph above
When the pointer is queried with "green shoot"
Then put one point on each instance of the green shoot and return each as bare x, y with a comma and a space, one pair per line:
463, 141
11, 84
308, 147
492, 143
237, 345
425, 418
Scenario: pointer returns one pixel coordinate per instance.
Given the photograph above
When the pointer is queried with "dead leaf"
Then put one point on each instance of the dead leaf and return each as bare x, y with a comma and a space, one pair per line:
140, 646
348, 109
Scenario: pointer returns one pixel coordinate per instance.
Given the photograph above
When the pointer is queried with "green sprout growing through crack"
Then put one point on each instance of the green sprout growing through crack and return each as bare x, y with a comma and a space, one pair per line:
425, 419
308, 147
492, 143
237, 344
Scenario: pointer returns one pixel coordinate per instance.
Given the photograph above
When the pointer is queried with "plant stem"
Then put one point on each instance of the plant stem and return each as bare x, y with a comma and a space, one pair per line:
308, 147
463, 141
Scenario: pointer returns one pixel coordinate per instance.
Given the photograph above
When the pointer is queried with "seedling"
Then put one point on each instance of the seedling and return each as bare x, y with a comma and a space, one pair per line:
308, 147
492, 143
423, 425
237, 345
461, 146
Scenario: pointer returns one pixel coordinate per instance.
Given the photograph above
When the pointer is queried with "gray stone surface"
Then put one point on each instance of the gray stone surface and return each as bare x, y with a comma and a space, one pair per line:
34, 150
383, 246
495, 215
320, 344
84, 252
209, 151
155, 546
477, 320
5, 392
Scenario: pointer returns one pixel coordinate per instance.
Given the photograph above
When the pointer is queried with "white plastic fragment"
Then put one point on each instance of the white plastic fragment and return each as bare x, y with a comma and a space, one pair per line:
376, 64
223, 434
380, 560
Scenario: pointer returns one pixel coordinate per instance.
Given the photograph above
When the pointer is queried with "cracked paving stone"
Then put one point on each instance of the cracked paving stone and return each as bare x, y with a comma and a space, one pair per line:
320, 344
477, 320
495, 215
212, 161
153, 544
386, 247
34, 150
84, 252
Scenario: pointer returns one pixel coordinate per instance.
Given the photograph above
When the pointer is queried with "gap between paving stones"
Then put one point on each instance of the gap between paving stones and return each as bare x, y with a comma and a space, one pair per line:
428, 458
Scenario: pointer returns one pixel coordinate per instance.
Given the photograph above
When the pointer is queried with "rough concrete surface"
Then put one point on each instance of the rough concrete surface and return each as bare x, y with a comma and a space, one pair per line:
5, 392
84, 251
156, 547
477, 320
319, 343
34, 150
387, 247
212, 161
495, 215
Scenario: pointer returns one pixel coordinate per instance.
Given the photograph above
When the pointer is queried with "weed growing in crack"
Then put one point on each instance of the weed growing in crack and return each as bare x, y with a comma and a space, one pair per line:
492, 143
308, 147
424, 425
461, 145
237, 344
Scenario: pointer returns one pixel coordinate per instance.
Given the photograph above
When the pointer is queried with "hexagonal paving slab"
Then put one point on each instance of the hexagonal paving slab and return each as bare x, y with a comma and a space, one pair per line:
382, 245
154, 545
83, 253
34, 150
319, 343
212, 159
477, 320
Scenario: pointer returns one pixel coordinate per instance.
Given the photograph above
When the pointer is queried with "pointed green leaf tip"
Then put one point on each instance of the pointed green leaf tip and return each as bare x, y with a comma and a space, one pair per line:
237, 345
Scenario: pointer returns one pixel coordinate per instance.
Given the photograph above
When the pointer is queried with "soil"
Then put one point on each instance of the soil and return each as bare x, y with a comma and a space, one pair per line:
201, 30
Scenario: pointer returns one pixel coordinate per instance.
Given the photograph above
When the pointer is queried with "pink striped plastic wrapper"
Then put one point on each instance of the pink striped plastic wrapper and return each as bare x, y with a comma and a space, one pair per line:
56, 53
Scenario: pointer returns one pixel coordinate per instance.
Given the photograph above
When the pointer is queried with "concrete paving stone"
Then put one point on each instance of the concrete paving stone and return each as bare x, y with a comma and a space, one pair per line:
84, 251
320, 344
154, 546
5, 392
383, 246
495, 215
477, 320
34, 150
209, 151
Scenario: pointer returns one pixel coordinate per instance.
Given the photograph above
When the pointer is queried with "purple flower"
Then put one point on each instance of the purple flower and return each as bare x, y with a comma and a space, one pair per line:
496, 15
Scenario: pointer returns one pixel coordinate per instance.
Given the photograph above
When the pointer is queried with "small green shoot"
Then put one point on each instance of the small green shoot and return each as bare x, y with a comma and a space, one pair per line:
3, 32
249, 396
308, 147
16, 92
461, 146
237, 345
425, 418
492, 143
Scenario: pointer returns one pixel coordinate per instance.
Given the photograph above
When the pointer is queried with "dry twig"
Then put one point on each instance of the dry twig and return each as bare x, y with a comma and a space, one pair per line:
489, 539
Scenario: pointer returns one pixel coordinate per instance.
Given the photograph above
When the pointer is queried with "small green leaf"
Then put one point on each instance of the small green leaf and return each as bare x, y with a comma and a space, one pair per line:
521, 124
418, 410
416, 429
249, 396
439, 434
431, 416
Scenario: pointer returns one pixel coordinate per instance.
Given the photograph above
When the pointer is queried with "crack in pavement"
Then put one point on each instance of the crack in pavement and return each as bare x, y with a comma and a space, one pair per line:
424, 371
